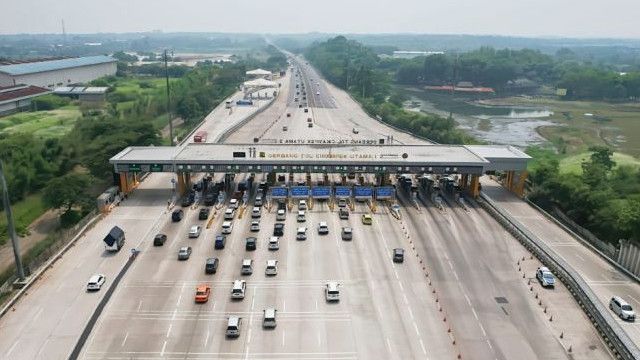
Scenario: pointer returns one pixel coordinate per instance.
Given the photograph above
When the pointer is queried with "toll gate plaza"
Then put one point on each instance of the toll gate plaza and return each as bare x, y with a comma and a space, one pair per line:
470, 162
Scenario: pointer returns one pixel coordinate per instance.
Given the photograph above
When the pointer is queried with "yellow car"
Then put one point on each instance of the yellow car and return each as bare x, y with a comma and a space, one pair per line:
367, 219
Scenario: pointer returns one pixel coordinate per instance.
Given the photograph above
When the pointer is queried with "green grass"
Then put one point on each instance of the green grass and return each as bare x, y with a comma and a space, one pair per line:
573, 163
52, 123
24, 213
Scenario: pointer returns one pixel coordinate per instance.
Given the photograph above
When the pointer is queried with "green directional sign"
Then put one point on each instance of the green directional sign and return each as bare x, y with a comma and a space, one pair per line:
134, 168
155, 168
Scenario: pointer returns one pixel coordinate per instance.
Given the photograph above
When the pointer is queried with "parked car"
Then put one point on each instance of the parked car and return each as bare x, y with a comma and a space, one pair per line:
622, 309
398, 255
204, 214
95, 282
177, 215
347, 233
159, 239
202, 293
250, 243
194, 231
211, 265
545, 277
184, 253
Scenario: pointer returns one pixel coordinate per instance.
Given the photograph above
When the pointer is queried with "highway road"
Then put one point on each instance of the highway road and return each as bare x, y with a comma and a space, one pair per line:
601, 276
387, 310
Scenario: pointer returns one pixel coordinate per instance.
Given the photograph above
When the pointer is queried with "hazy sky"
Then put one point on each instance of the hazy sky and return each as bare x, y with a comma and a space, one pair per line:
574, 18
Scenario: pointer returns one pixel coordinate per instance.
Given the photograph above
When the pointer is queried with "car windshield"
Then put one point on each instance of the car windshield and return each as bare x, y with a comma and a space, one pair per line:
333, 292
201, 292
626, 308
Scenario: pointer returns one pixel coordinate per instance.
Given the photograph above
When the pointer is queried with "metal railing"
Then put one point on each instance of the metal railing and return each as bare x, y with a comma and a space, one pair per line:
615, 337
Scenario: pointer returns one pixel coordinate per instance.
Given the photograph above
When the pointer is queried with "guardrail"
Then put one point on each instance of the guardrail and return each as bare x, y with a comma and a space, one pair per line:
225, 134
615, 337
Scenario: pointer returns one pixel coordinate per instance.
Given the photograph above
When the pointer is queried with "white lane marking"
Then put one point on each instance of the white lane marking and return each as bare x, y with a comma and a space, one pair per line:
316, 305
404, 296
489, 343
169, 330
284, 305
214, 306
124, 341
319, 340
139, 305
456, 275
253, 303
411, 314
475, 314
416, 328
38, 313
634, 299
12, 348
164, 346
249, 338
283, 332
424, 350
206, 338
389, 345
467, 297
401, 287
482, 329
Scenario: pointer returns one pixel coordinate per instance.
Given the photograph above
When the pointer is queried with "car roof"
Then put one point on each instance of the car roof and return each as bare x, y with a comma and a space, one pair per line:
95, 277
227, 223
544, 268
332, 285
211, 260
273, 238
269, 312
238, 282
620, 300
194, 227
184, 248
202, 287
272, 262
346, 228
233, 320
398, 250
323, 223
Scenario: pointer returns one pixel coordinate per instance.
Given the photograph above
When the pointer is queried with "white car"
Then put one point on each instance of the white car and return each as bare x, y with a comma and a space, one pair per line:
233, 203
301, 234
95, 282
622, 309
256, 212
272, 267
302, 205
255, 225
331, 291
274, 244
227, 227
323, 228
281, 215
544, 275
317, 92
194, 231
342, 203
239, 287
301, 216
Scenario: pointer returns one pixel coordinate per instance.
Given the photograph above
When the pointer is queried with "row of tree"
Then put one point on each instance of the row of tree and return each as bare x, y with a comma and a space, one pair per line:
605, 198
357, 69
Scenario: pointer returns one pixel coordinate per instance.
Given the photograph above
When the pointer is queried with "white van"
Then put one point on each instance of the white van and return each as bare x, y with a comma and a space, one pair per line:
281, 215
233, 326
229, 214
272, 267
239, 286
247, 267
301, 216
227, 227
269, 319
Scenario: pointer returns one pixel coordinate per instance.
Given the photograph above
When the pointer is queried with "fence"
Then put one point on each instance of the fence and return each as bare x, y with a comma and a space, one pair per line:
35, 257
606, 248
629, 256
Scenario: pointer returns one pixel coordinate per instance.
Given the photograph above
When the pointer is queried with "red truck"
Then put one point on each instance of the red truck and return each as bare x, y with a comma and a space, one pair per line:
200, 136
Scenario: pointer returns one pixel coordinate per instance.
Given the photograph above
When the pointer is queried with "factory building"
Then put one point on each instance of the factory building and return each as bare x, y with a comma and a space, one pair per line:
54, 73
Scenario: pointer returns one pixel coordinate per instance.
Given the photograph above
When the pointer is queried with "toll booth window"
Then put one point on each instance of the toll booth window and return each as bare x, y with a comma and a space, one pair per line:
239, 154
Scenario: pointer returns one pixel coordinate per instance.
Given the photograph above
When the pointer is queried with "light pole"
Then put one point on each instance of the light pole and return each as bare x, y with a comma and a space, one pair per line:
166, 74
10, 226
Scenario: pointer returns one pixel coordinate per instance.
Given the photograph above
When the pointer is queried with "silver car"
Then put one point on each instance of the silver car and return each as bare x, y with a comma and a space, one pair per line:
96, 282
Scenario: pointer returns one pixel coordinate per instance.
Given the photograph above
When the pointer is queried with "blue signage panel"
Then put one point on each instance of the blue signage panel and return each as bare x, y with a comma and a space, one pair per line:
321, 192
343, 191
384, 192
279, 192
299, 191
363, 191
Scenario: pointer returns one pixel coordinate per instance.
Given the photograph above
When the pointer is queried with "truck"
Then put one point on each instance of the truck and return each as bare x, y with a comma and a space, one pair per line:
114, 241
200, 136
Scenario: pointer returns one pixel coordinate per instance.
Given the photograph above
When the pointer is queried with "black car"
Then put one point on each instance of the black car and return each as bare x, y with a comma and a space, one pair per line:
219, 242
250, 243
177, 215
278, 229
187, 201
398, 255
282, 205
210, 199
204, 213
211, 266
159, 240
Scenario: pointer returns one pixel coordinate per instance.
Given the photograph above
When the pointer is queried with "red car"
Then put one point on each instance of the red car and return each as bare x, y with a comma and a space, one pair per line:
202, 293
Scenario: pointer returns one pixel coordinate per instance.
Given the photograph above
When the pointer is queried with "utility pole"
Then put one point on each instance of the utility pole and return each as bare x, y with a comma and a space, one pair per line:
166, 74
10, 226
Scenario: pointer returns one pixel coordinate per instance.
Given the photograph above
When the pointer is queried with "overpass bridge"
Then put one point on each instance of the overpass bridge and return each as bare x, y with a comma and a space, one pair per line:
327, 157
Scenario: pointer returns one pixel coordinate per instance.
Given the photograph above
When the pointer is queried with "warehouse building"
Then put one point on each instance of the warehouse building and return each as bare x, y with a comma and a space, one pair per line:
18, 97
54, 73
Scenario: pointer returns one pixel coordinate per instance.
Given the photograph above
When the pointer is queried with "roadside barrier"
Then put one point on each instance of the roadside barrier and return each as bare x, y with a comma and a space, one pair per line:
615, 337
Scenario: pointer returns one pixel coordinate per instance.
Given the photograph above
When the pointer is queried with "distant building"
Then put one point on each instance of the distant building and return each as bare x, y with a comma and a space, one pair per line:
402, 54
82, 93
54, 73
18, 97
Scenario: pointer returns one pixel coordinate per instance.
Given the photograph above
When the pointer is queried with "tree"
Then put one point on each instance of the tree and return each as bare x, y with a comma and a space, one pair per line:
67, 191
